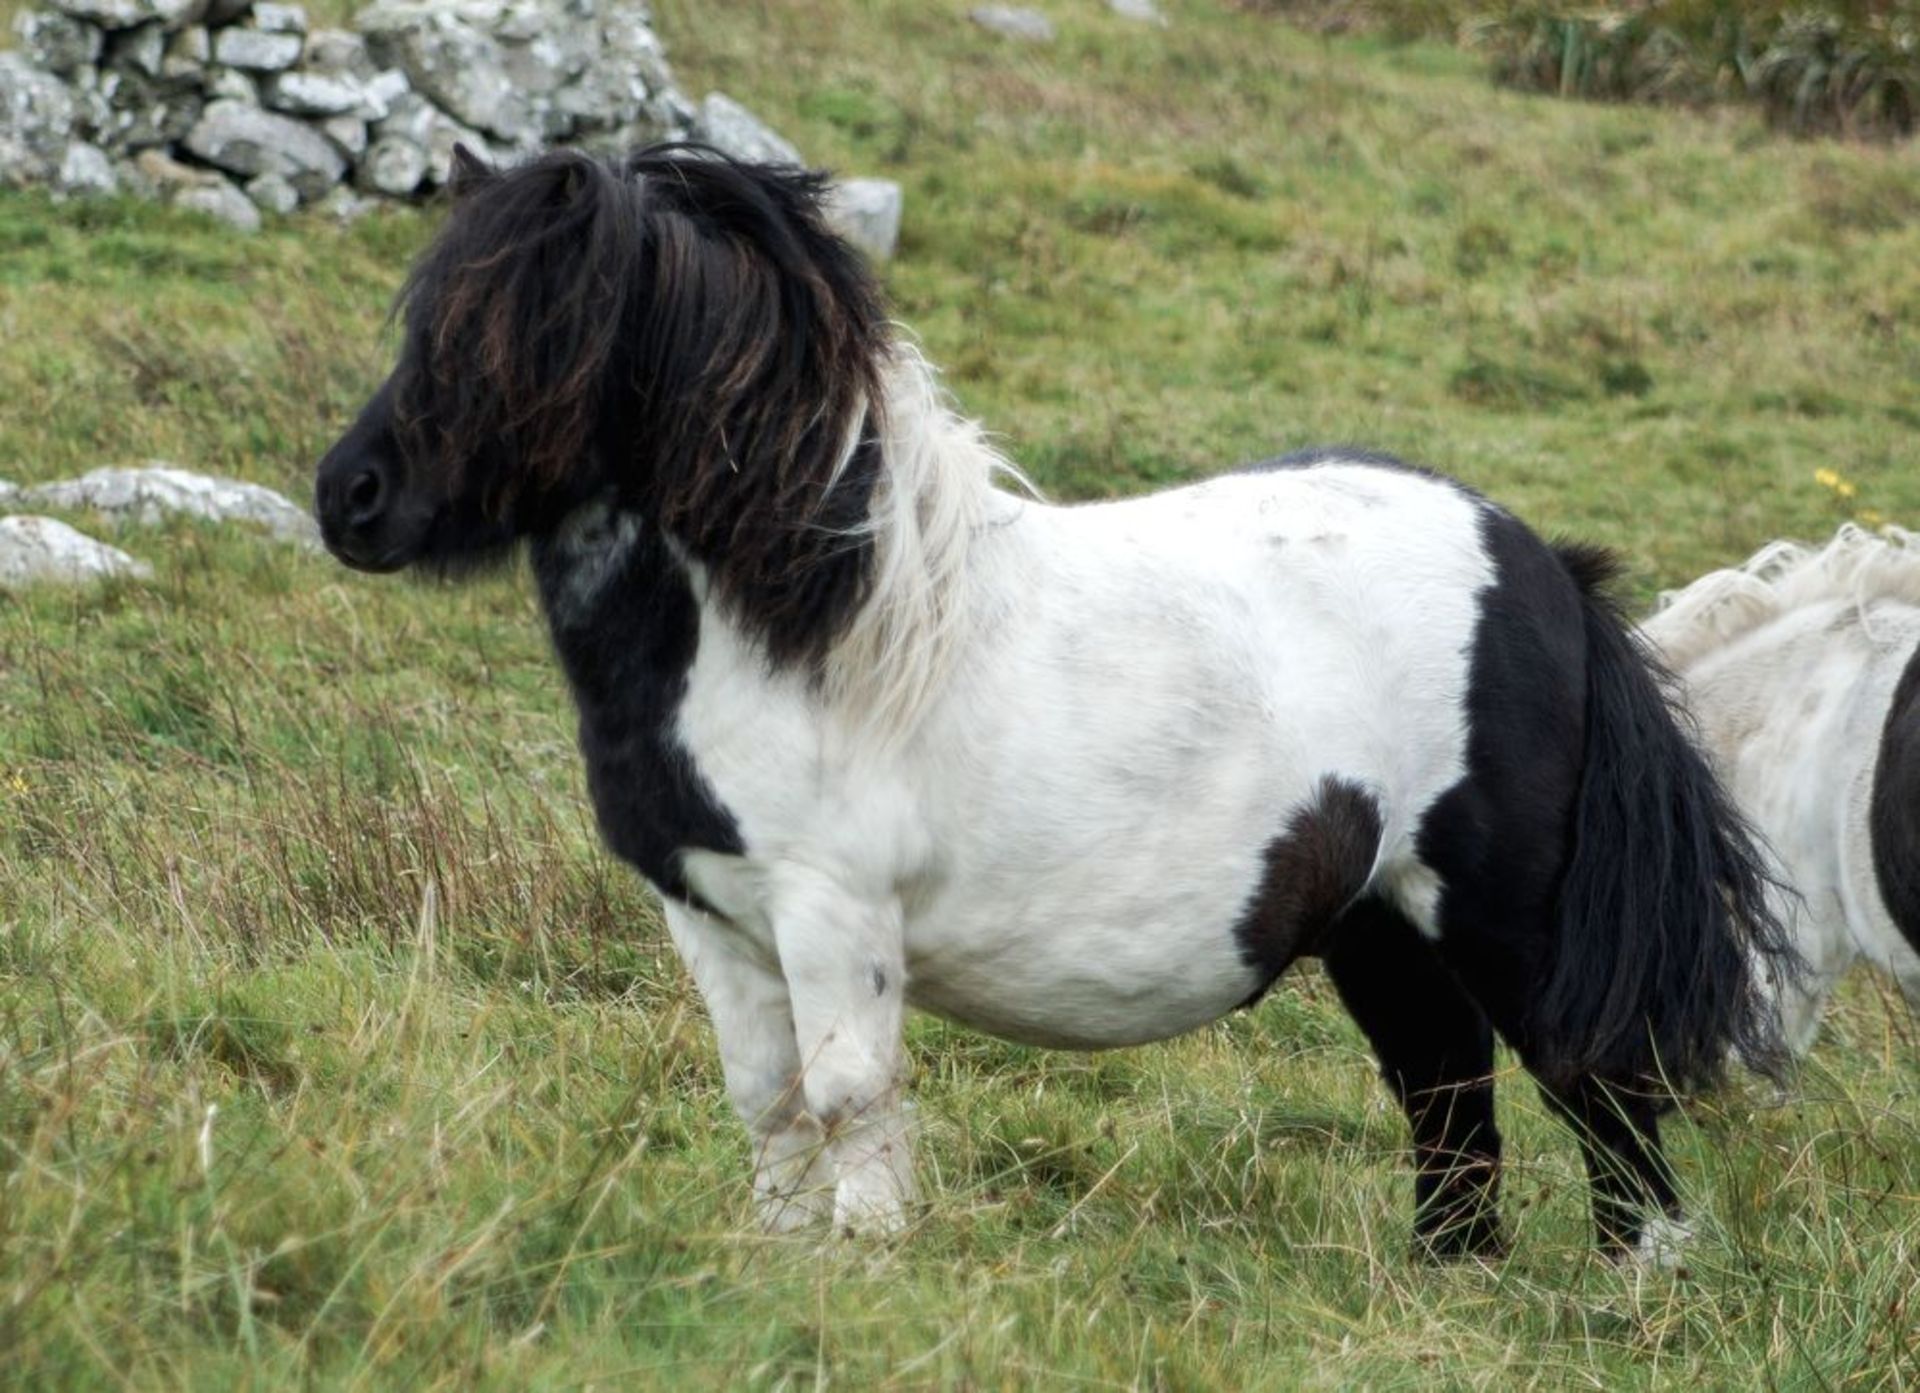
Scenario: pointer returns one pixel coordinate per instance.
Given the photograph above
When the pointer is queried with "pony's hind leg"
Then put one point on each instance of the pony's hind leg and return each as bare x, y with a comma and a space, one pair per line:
1636, 1209
1435, 1049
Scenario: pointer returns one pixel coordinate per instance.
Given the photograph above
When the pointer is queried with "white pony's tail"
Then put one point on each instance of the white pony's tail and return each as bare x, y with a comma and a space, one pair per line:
1857, 566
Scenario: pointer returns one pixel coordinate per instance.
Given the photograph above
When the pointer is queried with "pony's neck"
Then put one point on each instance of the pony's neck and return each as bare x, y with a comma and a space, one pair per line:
936, 491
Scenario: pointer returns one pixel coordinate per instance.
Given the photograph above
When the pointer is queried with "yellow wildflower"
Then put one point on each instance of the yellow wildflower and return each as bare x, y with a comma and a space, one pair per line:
1827, 478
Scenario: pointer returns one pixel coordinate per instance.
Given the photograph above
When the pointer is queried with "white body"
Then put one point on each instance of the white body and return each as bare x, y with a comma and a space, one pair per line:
1790, 664
1051, 828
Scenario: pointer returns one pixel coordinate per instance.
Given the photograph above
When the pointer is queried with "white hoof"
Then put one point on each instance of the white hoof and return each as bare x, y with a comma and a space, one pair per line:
1663, 1244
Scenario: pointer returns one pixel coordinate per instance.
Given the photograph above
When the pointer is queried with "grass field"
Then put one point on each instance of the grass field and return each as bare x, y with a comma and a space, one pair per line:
332, 1049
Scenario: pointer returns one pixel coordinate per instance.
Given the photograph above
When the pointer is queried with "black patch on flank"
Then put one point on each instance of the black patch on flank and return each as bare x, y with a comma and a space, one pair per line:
879, 980
1312, 871
1893, 817
626, 655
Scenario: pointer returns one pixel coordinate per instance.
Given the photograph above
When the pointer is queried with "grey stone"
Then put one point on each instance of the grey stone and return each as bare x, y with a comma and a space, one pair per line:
1143, 10
311, 94
41, 550
36, 118
162, 175
138, 50
337, 51
344, 206
607, 93
146, 111
730, 127
85, 171
380, 92
393, 165
124, 14
272, 194
459, 66
223, 201
417, 120
157, 490
1013, 22
248, 141
541, 66
189, 51
232, 84
59, 43
279, 19
867, 213
256, 49
349, 133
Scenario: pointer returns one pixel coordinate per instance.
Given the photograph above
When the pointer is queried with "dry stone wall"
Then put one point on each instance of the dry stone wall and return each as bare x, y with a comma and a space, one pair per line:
236, 107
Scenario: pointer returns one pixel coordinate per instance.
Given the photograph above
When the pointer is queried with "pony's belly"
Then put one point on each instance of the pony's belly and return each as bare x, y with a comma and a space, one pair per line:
1110, 990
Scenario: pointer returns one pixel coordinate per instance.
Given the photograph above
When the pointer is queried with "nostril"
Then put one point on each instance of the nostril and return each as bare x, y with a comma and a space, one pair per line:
364, 496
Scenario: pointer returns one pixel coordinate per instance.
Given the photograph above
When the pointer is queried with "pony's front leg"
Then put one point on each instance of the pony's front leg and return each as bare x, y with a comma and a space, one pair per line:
844, 960
753, 1024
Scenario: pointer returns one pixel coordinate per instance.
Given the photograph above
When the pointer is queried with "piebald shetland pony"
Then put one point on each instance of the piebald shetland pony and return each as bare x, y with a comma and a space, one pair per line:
1802, 667
882, 734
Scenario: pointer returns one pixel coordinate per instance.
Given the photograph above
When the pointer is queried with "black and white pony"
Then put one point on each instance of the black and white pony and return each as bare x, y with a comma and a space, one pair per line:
1802, 667
883, 734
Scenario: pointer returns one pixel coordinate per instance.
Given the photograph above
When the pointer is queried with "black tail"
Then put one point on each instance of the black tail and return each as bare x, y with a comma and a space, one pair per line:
1664, 926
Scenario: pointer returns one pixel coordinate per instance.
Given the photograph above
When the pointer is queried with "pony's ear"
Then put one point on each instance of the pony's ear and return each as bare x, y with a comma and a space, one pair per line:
468, 171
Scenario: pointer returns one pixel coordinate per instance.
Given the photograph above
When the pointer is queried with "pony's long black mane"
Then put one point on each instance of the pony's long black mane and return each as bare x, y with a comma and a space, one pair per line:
674, 332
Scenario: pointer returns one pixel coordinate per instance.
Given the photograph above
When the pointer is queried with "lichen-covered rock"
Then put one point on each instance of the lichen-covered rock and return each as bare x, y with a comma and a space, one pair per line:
161, 175
277, 18
312, 94
188, 52
340, 52
419, 121
393, 165
59, 43
257, 50
1013, 22
138, 50
348, 134
272, 194
458, 65
86, 172
144, 111
867, 213
34, 550
230, 84
124, 14
36, 119
730, 127
158, 489
380, 92
247, 141
222, 201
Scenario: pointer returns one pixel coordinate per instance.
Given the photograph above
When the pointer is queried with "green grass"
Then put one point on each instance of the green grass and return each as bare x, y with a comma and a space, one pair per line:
332, 1049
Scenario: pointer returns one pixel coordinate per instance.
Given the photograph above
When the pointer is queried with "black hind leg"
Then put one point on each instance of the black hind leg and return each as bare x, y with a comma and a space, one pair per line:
1631, 1180
1435, 1049
1618, 1125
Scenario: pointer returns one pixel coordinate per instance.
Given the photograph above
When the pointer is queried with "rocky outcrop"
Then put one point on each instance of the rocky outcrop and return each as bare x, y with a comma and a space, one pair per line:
157, 490
34, 549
